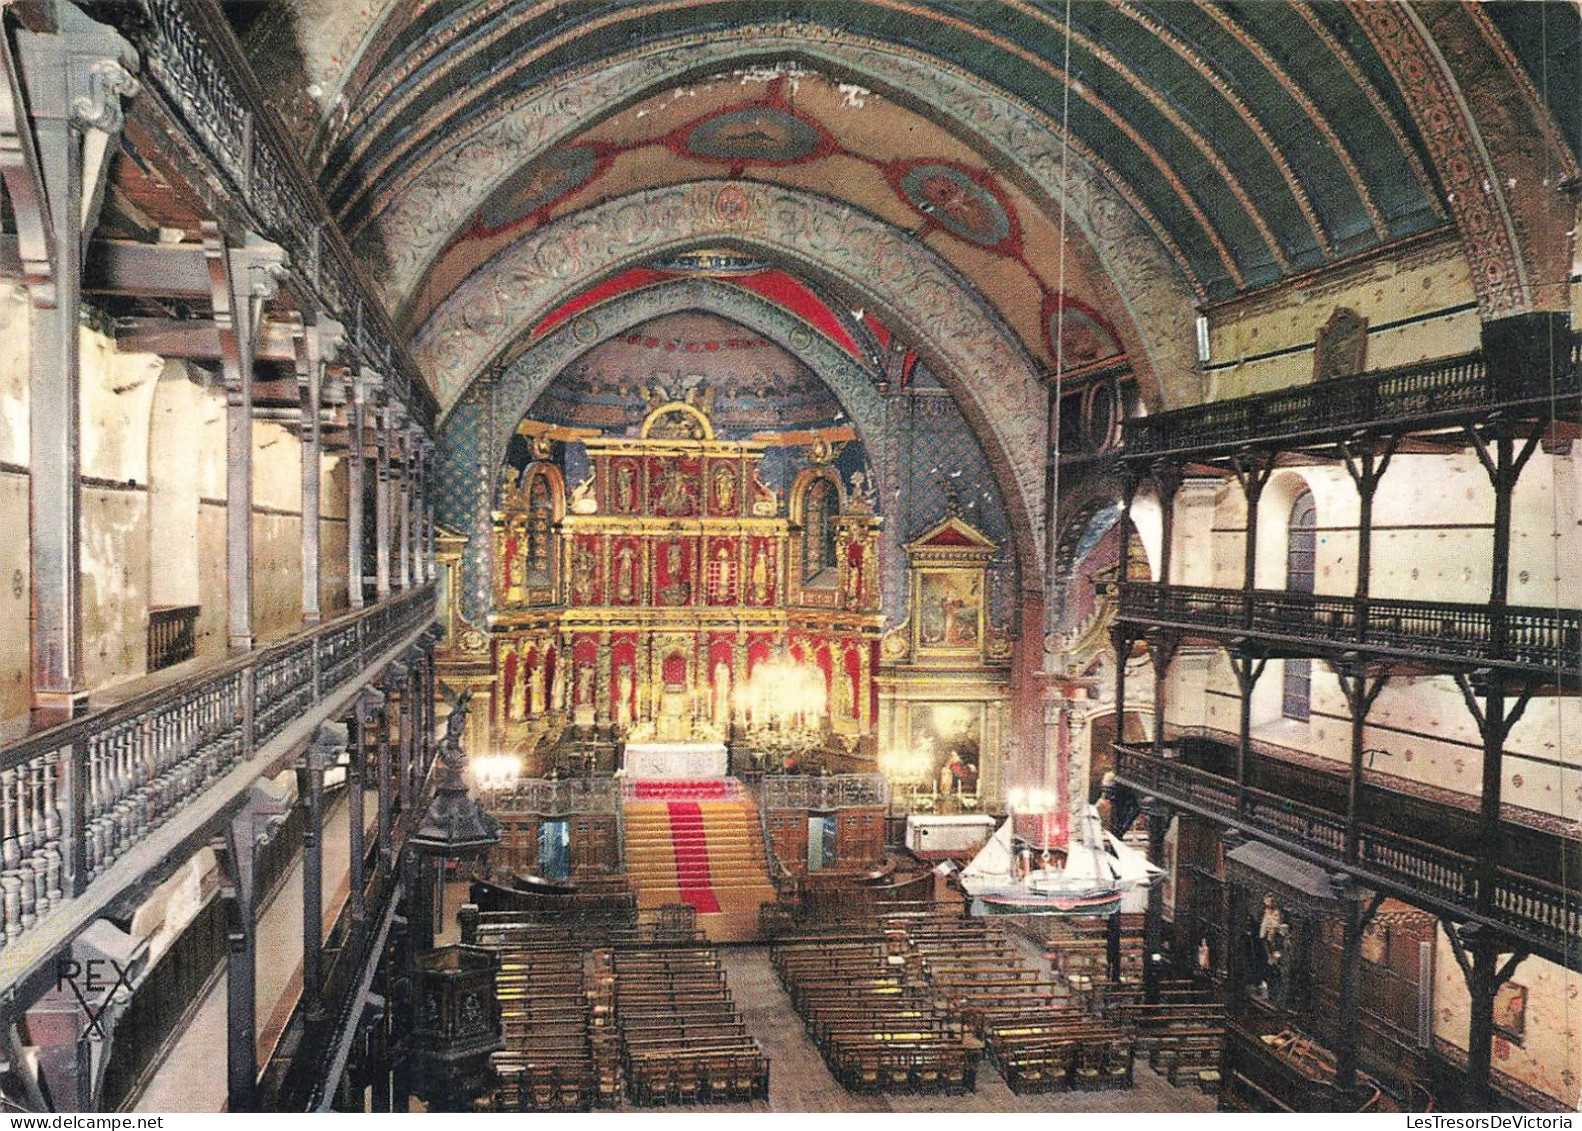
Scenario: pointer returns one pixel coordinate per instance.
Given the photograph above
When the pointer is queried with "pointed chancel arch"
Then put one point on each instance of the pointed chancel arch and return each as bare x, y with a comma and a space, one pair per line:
976, 356
425, 211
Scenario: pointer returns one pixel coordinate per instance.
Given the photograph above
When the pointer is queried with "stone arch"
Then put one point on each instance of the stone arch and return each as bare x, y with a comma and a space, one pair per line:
473, 444
978, 359
1133, 255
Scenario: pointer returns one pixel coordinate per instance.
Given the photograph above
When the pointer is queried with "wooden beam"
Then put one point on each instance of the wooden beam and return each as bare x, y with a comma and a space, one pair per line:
197, 339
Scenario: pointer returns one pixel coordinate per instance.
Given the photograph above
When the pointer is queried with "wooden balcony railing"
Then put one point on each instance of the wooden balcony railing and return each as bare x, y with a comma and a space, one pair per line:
1529, 640
824, 792
77, 797
1421, 396
172, 635
1545, 916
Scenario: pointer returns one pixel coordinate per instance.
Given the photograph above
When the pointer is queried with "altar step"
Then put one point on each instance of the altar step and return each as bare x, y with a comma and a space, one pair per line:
708, 853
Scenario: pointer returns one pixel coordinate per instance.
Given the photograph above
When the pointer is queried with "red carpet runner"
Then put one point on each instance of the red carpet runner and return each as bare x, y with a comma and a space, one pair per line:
684, 789
692, 856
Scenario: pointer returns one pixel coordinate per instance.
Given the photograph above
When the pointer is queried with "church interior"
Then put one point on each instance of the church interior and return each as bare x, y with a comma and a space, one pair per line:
770, 555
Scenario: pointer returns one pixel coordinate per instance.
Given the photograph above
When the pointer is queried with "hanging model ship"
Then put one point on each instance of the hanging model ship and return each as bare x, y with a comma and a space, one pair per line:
1099, 871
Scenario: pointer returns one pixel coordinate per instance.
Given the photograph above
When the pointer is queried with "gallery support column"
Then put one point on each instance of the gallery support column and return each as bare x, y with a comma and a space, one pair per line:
356, 490
60, 123
382, 440
316, 345
367, 709
1157, 814
256, 822
407, 471
328, 744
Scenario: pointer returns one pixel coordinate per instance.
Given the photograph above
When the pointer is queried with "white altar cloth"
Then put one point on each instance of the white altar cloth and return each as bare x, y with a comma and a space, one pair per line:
676, 760
950, 834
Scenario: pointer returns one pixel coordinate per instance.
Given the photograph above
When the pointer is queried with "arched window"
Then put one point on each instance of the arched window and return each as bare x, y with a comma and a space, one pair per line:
1301, 554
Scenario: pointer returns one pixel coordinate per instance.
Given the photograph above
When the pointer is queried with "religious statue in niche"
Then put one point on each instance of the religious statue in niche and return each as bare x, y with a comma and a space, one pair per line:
626, 574
762, 583
625, 487
722, 695
1273, 943
535, 704
582, 500
557, 689
623, 696
676, 493
854, 578
1341, 347
862, 498
583, 692
765, 501
840, 698
675, 589
584, 574
724, 489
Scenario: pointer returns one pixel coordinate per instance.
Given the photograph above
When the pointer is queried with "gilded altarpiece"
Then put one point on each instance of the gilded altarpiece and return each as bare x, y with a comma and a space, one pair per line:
673, 571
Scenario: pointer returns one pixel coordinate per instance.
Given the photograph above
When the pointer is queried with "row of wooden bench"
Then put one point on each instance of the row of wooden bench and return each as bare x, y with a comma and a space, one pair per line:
1033, 1033
873, 1018
547, 1063
682, 1039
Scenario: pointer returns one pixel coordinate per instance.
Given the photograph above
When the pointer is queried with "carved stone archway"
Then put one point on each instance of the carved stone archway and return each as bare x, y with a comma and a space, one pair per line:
415, 226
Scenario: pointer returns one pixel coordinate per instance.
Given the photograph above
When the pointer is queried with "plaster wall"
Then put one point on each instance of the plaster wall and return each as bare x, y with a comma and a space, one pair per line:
277, 530
1548, 1055
117, 393
13, 375
1420, 728
1266, 342
15, 573
1432, 531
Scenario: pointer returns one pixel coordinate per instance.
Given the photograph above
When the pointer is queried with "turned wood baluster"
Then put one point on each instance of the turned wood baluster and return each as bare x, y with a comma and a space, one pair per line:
53, 824
21, 783
38, 859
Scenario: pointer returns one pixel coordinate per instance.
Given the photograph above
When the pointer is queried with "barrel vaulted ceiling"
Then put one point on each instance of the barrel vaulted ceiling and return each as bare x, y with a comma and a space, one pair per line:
899, 156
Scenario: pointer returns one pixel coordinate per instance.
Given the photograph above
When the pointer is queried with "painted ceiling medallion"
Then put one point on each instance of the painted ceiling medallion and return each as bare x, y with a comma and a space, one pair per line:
757, 133
1087, 337
964, 202
529, 193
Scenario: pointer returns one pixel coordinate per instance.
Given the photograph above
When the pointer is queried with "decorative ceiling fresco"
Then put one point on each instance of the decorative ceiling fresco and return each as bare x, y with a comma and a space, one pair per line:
772, 125
754, 385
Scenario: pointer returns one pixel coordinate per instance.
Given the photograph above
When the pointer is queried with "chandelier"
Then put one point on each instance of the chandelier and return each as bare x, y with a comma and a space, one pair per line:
785, 704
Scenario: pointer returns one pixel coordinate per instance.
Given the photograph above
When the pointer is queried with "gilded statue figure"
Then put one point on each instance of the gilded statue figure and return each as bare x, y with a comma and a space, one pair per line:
625, 488
625, 574
760, 579
676, 494
584, 572
724, 489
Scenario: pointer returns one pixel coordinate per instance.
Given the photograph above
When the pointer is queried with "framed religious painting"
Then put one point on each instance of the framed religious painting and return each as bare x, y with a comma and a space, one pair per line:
949, 613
